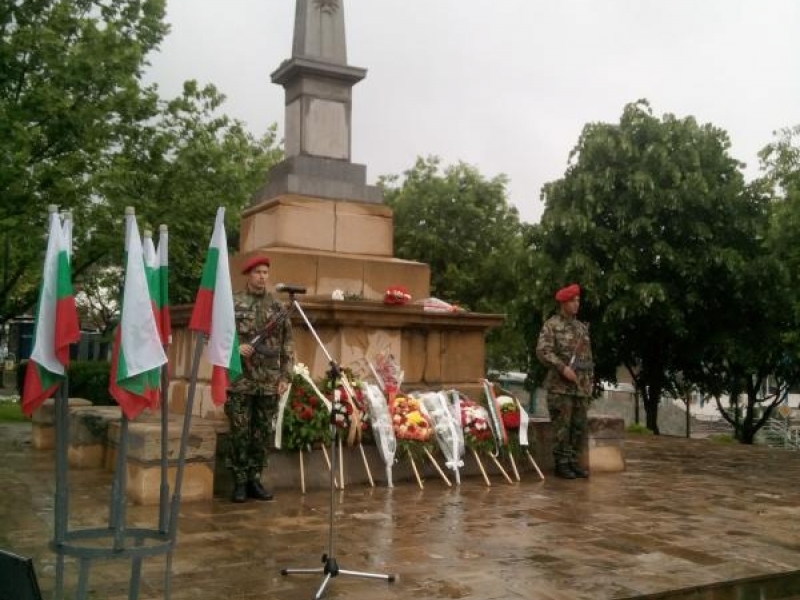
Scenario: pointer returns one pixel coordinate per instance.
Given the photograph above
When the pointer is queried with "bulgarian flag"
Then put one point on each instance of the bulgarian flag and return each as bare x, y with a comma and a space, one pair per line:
156, 268
213, 314
57, 323
162, 254
138, 355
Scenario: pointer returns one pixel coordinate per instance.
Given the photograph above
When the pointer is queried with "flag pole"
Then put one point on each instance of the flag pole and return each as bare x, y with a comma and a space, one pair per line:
61, 401
163, 502
116, 518
61, 509
187, 423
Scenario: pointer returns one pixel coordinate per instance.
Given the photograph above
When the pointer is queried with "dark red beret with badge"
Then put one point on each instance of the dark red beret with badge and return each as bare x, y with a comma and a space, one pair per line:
566, 294
254, 262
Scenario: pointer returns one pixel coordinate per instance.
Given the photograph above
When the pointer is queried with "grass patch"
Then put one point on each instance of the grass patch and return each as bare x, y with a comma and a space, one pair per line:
638, 429
11, 410
722, 438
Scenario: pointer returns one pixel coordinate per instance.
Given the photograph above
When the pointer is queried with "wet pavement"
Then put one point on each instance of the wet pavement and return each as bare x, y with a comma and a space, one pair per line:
685, 513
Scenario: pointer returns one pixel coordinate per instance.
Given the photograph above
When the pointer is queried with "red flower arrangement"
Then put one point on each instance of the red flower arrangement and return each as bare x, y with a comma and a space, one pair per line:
408, 420
509, 412
475, 424
397, 294
346, 408
306, 420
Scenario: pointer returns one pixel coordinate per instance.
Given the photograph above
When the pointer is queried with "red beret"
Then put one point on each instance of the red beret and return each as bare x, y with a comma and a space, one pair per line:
254, 262
566, 294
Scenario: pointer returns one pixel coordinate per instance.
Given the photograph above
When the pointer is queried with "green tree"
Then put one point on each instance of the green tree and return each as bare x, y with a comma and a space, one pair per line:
462, 225
80, 130
69, 79
653, 219
177, 169
780, 166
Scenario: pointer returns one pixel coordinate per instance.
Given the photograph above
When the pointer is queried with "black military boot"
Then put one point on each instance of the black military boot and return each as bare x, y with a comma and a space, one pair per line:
239, 493
257, 491
563, 471
576, 468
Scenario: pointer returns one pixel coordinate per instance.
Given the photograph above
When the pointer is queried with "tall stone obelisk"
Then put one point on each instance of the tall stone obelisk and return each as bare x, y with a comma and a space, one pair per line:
326, 228
318, 125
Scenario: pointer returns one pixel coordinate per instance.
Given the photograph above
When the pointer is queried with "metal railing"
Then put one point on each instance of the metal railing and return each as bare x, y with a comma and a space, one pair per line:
780, 433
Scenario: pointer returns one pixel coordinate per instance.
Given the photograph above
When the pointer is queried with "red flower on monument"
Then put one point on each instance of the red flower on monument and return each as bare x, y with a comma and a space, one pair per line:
397, 294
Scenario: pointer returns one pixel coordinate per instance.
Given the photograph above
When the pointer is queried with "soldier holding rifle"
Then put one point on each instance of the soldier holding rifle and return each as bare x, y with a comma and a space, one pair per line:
266, 346
564, 347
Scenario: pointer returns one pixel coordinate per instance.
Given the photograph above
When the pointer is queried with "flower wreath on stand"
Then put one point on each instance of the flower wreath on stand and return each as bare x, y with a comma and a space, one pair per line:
475, 425
388, 373
478, 434
303, 420
412, 430
350, 415
349, 411
515, 420
306, 420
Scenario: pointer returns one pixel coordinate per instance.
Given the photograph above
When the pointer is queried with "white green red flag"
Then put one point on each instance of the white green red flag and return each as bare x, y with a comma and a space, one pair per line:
138, 356
57, 324
162, 254
156, 268
213, 314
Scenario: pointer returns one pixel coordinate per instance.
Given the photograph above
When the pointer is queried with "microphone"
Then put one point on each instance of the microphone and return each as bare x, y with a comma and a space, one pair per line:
290, 288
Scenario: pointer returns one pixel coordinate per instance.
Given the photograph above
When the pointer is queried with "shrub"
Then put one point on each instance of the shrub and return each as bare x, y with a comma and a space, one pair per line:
87, 379
638, 429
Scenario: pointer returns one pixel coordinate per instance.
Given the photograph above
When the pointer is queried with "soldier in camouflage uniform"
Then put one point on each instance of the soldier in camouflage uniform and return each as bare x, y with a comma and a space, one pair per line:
267, 361
564, 347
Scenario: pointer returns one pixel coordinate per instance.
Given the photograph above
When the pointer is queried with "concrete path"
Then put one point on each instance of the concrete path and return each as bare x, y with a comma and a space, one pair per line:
685, 513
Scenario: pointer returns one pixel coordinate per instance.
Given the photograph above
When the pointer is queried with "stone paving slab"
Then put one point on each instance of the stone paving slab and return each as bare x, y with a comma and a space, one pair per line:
685, 513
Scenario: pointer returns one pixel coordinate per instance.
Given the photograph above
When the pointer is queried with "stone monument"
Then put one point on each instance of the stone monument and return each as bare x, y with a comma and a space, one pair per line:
326, 229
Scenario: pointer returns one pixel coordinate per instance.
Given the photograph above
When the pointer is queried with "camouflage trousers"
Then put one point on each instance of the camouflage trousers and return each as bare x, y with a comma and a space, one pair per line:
251, 434
570, 426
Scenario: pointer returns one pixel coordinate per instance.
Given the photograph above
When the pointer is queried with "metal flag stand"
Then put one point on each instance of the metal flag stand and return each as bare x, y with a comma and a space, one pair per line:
330, 568
87, 544
116, 541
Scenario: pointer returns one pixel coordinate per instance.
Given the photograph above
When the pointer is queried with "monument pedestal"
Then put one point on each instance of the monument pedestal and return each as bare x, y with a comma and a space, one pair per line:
325, 245
435, 350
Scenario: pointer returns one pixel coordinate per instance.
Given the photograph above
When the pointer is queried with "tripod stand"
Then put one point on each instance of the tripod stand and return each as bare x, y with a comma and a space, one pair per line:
330, 568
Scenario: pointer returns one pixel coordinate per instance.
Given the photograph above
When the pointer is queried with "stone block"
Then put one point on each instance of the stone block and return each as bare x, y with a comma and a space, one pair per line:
606, 444
88, 435
43, 420
305, 223
144, 482
364, 229
326, 128
414, 276
144, 462
288, 221
339, 273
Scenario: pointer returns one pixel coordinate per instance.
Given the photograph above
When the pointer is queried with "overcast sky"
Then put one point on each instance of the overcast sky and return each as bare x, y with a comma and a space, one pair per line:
507, 85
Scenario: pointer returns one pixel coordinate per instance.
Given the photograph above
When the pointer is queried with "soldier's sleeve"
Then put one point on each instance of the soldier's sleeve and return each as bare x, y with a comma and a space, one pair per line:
239, 318
545, 348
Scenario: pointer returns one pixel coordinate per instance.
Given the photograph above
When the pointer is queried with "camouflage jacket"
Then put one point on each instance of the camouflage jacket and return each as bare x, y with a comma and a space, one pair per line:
565, 342
273, 359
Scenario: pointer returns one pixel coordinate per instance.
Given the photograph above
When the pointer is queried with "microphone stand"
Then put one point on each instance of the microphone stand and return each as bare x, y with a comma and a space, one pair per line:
330, 568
